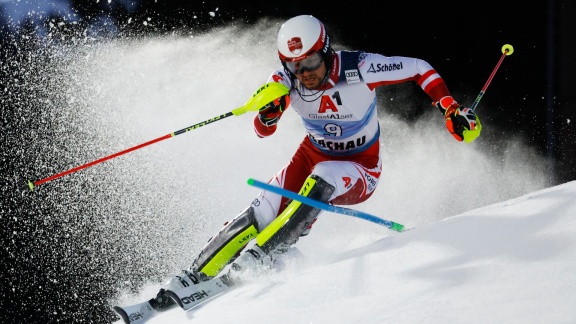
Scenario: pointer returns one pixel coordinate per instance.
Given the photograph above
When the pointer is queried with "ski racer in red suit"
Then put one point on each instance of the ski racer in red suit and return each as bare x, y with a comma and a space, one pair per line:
338, 161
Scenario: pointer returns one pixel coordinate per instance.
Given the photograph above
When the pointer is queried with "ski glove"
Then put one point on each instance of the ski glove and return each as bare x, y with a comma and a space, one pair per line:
461, 122
270, 114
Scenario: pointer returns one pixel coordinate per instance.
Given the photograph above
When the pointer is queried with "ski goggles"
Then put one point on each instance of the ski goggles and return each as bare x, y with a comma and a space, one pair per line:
310, 64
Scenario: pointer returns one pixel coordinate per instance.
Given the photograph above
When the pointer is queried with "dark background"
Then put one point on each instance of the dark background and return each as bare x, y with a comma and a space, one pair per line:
530, 97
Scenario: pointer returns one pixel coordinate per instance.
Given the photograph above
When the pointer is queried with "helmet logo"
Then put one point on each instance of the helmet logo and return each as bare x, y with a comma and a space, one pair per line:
295, 45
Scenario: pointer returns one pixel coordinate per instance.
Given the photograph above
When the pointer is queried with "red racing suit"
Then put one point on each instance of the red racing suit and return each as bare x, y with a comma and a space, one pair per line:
342, 142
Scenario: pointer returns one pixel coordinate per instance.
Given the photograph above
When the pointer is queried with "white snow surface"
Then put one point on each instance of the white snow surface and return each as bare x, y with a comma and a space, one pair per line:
490, 240
510, 262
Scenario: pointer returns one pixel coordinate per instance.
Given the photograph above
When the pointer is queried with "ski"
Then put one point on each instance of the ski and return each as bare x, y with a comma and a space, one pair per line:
194, 295
186, 298
189, 297
137, 313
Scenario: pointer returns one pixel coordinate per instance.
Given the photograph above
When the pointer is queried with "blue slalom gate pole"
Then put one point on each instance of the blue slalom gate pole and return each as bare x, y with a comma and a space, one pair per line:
331, 208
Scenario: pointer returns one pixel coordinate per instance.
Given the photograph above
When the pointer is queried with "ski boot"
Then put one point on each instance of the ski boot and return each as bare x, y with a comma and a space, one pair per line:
186, 278
162, 301
249, 264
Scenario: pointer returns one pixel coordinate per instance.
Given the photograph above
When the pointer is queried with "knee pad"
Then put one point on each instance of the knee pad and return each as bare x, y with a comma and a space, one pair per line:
287, 228
224, 246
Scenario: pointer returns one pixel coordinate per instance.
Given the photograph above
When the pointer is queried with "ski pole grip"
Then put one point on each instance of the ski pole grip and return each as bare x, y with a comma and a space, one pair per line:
263, 96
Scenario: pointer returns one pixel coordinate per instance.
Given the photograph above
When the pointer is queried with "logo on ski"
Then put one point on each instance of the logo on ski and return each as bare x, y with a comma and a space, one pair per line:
194, 297
135, 316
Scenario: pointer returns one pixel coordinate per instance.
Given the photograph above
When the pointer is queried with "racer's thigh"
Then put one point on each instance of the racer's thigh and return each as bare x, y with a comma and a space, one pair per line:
354, 183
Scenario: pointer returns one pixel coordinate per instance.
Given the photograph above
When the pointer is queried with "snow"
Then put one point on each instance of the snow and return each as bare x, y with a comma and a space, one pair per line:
509, 262
490, 241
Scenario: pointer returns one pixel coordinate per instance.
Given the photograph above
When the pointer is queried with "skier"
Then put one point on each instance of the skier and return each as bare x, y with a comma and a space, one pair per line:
337, 162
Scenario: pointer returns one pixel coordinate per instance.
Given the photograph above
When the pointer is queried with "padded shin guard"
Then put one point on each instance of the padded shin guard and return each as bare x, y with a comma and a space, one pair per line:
287, 228
224, 246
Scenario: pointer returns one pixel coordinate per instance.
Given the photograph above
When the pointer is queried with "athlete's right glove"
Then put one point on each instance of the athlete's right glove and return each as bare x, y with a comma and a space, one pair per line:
461, 122
270, 113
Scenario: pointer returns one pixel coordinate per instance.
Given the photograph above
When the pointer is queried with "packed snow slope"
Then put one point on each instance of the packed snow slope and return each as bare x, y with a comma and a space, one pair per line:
510, 262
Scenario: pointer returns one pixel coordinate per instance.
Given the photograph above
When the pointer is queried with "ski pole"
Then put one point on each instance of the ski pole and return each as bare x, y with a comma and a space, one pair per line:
331, 208
507, 50
264, 95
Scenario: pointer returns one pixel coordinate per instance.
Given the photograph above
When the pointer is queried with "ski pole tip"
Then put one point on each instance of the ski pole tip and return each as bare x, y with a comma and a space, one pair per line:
31, 185
397, 227
250, 181
507, 49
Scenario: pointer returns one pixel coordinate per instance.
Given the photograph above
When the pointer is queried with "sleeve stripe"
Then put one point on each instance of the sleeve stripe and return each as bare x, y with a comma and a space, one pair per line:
431, 85
429, 80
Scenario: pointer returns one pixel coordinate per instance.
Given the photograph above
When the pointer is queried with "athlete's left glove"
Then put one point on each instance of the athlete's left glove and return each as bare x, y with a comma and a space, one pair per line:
461, 122
270, 113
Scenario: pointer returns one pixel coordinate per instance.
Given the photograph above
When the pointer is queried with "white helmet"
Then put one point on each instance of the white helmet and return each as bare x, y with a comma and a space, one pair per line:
302, 36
